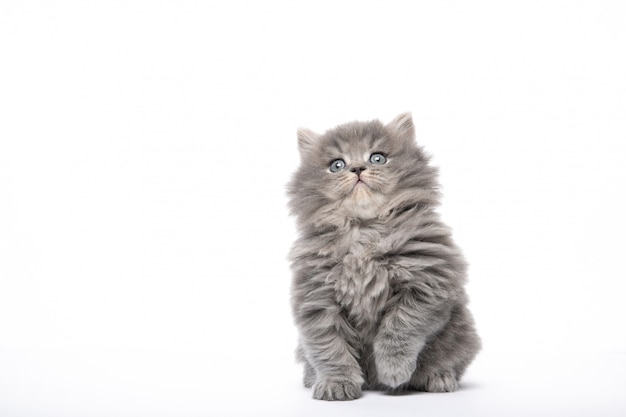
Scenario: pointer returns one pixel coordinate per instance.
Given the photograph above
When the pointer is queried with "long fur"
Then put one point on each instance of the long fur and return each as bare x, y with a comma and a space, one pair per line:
377, 290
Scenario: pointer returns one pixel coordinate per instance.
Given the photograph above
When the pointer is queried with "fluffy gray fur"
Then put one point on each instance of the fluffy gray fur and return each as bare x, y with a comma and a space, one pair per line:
377, 290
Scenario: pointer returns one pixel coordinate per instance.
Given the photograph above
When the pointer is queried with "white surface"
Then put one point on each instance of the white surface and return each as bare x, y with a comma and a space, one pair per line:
174, 383
144, 149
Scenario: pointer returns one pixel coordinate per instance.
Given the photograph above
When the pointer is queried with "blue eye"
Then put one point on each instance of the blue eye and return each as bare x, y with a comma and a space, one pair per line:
337, 165
378, 159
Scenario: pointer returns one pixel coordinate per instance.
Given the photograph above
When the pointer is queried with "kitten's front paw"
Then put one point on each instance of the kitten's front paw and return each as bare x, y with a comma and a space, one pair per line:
394, 370
393, 377
336, 390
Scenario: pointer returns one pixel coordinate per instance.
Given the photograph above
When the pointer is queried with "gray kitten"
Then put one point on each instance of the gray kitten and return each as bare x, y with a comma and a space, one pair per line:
377, 290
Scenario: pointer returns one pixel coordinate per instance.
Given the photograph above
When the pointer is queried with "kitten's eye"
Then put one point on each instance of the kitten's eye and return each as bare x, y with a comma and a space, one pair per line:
337, 165
378, 159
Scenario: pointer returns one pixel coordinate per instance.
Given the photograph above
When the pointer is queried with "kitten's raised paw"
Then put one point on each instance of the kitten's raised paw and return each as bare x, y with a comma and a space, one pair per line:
394, 370
336, 390
394, 377
436, 382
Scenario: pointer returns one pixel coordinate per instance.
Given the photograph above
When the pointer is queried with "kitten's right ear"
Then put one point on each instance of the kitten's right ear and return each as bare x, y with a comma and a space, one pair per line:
306, 140
403, 126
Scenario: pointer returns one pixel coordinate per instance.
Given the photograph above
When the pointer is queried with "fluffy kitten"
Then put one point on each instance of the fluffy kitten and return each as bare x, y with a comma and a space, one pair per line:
377, 290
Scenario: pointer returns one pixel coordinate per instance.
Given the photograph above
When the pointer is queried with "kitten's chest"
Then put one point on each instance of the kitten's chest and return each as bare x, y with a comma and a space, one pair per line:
361, 276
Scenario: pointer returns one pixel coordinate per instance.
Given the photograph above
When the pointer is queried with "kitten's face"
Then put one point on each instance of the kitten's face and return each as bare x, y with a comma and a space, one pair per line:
354, 170
357, 169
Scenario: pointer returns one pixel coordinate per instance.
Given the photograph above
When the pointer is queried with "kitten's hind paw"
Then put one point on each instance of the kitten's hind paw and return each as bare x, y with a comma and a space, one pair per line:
436, 382
336, 390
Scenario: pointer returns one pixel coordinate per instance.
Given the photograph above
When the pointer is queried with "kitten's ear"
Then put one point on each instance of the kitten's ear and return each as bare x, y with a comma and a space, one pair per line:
306, 140
402, 125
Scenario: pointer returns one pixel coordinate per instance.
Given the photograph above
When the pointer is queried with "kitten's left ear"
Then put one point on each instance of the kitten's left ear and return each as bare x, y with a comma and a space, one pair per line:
402, 125
306, 140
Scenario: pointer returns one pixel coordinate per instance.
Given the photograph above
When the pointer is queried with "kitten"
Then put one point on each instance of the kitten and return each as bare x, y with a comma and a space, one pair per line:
377, 290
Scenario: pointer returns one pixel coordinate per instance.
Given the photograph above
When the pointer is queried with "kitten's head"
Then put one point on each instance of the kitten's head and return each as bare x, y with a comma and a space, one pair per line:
359, 171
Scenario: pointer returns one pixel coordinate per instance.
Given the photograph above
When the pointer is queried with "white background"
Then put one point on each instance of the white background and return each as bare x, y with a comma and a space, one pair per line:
144, 152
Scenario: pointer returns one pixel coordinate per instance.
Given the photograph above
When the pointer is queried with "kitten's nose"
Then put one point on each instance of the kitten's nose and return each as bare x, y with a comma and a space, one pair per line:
358, 170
